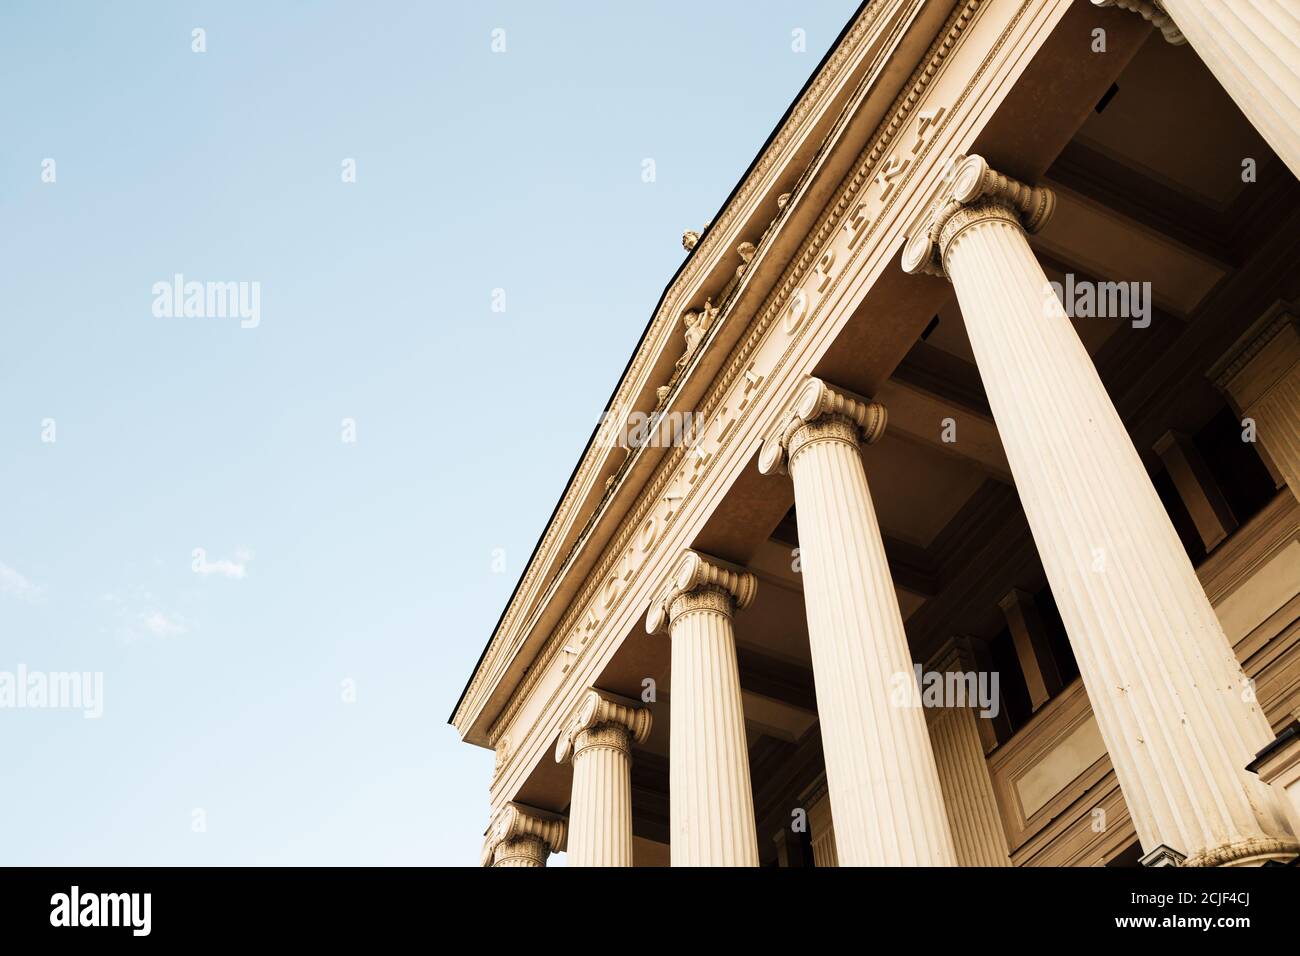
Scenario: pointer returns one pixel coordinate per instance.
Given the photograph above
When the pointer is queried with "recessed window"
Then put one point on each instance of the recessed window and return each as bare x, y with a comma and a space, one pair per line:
1235, 465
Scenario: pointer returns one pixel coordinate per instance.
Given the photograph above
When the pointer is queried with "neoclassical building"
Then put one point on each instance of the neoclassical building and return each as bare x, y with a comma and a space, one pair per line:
946, 513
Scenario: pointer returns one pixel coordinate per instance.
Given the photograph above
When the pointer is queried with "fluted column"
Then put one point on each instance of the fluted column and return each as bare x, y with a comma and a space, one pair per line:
1168, 694
964, 772
711, 803
1253, 49
520, 838
880, 771
1261, 376
821, 826
599, 742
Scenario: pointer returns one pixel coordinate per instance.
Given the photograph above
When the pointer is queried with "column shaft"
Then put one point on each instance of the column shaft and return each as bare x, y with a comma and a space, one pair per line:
1253, 49
821, 827
600, 814
880, 771
967, 790
1169, 695
599, 741
711, 804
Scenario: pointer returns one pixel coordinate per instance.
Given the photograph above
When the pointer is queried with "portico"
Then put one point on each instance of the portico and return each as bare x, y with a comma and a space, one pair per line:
904, 450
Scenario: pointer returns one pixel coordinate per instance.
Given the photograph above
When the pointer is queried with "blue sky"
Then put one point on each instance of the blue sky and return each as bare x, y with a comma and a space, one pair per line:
325, 561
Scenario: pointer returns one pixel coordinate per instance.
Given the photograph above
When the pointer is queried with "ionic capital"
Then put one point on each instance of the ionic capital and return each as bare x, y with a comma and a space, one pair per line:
598, 722
821, 411
520, 838
1152, 12
700, 583
975, 193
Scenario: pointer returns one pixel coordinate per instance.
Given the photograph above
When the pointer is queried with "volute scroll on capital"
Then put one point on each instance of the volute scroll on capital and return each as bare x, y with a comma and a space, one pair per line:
595, 714
974, 193
862, 419
513, 824
698, 579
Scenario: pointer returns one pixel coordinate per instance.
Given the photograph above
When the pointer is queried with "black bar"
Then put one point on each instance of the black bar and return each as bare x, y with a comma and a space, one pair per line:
502, 909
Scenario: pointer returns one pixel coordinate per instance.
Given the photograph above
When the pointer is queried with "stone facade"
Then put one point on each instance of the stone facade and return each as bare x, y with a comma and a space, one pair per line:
982, 544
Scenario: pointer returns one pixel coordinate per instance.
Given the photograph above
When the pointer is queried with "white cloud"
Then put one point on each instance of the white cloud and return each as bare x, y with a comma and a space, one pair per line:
139, 617
223, 566
238, 568
15, 585
160, 625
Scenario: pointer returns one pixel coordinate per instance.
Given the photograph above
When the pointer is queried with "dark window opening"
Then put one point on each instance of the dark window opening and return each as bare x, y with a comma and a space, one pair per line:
1235, 465
1011, 679
1058, 640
